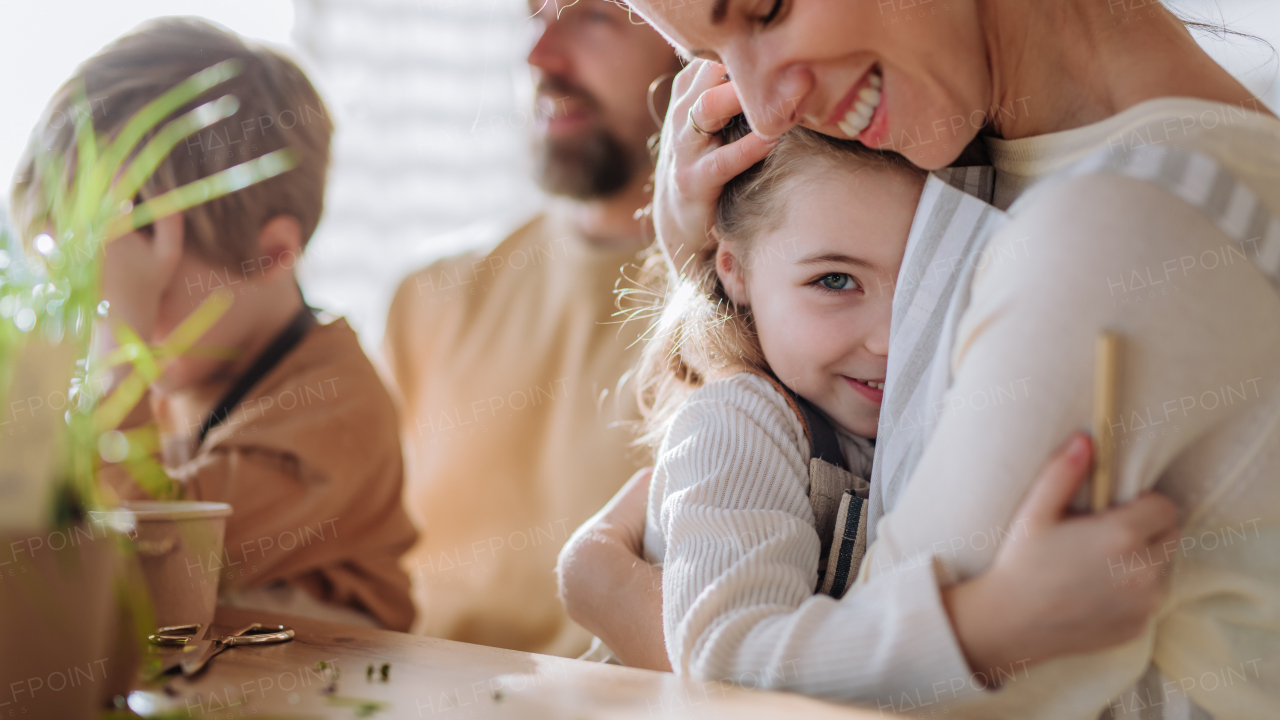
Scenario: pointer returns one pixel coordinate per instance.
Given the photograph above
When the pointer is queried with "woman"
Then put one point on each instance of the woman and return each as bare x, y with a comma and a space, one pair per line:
1046, 84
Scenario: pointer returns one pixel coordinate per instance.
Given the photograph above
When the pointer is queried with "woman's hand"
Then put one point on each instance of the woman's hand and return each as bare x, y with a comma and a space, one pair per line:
692, 167
1062, 584
606, 585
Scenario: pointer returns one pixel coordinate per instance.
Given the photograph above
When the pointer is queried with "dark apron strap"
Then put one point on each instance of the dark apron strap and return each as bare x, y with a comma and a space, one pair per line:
824, 443
842, 529
847, 549
822, 434
288, 338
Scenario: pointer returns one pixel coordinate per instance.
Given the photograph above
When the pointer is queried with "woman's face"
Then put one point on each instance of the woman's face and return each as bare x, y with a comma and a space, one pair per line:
820, 287
905, 75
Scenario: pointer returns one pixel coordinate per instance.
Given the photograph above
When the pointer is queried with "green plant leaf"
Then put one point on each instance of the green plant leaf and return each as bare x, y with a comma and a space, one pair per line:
160, 108
205, 189
158, 147
87, 165
81, 200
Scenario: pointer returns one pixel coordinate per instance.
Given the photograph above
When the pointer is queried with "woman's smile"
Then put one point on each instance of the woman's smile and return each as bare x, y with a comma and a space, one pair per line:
855, 111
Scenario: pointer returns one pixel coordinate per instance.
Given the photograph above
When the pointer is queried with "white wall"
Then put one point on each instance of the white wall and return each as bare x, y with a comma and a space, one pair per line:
430, 139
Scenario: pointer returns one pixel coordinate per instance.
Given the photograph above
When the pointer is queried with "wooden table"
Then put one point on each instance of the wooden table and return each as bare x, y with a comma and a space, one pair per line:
432, 678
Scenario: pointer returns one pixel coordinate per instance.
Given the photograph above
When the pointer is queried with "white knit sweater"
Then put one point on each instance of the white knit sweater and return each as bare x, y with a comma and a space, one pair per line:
729, 518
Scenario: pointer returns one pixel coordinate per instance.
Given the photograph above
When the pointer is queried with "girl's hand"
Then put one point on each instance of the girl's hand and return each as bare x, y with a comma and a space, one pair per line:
606, 585
1063, 584
693, 167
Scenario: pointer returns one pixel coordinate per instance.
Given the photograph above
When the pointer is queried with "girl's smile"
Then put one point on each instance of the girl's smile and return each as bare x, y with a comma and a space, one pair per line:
872, 390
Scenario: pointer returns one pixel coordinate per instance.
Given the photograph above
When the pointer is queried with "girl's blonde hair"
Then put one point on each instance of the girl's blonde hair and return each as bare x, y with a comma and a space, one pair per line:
699, 334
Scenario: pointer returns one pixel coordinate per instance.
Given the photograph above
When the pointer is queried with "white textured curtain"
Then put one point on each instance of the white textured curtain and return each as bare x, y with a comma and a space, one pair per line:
430, 99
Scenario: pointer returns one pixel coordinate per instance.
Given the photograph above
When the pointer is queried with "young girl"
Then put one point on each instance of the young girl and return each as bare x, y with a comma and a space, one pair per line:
763, 386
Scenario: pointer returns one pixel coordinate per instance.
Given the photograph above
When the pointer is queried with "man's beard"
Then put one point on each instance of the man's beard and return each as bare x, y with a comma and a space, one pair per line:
589, 165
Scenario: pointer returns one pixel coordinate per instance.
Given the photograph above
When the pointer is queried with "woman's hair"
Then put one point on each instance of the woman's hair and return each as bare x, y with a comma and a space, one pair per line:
1201, 21
699, 334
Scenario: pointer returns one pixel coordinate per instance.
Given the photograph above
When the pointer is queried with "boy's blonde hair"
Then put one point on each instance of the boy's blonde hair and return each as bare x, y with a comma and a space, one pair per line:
278, 108
700, 334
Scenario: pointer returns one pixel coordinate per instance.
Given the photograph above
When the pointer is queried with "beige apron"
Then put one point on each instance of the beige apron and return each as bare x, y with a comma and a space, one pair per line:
838, 498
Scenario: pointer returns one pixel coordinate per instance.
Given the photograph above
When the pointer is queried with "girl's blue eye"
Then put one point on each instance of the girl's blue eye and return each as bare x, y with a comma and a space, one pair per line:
838, 281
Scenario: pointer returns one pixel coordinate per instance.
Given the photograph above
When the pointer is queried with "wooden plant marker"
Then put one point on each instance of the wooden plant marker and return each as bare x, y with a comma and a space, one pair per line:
1106, 379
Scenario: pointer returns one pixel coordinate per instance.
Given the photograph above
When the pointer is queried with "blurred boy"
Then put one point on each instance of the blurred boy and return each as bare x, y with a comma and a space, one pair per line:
290, 425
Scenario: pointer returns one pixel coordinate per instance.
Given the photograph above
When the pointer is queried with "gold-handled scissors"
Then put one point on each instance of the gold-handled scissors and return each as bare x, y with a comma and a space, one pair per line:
197, 654
175, 635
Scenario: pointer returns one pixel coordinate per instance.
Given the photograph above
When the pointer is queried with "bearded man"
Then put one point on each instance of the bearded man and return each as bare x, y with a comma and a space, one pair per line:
509, 360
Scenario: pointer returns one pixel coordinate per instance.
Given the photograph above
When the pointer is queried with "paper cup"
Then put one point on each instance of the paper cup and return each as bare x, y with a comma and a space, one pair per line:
179, 546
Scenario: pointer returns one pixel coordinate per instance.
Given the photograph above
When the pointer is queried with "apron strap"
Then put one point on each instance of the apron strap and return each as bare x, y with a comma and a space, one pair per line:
286, 341
824, 443
836, 495
848, 546
823, 440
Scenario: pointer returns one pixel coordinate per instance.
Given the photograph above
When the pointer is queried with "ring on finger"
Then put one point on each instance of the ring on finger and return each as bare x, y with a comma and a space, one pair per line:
694, 124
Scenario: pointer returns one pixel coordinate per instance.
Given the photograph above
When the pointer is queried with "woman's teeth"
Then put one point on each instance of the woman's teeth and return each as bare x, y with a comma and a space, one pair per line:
871, 384
859, 116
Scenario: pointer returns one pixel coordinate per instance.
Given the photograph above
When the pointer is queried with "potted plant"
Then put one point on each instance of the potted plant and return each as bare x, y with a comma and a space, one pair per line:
60, 570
